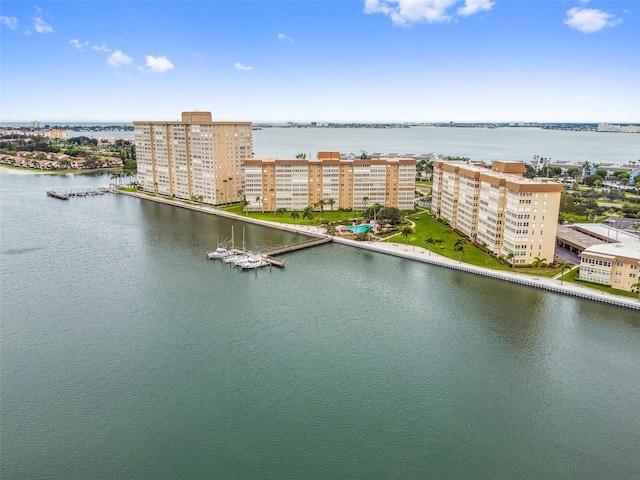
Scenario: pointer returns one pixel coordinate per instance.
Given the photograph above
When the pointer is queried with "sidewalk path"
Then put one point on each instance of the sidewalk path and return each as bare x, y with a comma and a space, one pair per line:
417, 253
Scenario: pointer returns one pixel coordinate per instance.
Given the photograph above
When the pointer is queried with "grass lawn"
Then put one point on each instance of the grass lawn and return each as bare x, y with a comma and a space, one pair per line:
573, 277
427, 226
327, 217
572, 217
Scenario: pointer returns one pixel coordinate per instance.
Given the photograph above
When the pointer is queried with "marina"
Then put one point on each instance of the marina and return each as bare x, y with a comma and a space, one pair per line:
86, 192
228, 255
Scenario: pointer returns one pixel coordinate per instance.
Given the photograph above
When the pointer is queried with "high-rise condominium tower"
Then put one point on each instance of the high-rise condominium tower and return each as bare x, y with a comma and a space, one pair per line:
195, 158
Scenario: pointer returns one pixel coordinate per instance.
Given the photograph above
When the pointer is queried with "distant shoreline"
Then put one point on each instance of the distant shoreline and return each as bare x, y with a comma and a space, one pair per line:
32, 171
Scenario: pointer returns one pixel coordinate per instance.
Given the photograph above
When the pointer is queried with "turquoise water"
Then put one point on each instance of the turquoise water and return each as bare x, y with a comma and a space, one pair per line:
359, 228
125, 353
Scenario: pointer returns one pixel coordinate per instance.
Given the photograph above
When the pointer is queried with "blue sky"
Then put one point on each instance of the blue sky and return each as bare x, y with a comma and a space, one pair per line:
352, 60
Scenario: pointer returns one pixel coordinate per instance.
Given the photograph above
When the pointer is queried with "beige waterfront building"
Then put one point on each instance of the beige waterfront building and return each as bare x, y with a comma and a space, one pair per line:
499, 208
272, 183
614, 264
193, 158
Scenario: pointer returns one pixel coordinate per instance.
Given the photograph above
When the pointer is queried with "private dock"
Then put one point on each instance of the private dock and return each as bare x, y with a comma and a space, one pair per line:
270, 256
85, 192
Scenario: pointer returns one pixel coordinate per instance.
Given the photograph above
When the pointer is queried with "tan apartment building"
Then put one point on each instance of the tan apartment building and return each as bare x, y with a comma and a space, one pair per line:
194, 157
272, 183
58, 133
614, 264
499, 208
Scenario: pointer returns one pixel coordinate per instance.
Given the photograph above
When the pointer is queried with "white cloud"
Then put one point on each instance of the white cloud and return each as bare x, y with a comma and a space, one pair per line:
158, 64
472, 7
39, 24
118, 59
283, 37
10, 22
78, 44
100, 48
240, 66
406, 12
590, 20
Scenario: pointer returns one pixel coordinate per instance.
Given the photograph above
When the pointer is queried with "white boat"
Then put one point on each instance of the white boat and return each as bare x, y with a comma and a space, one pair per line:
252, 261
219, 252
234, 258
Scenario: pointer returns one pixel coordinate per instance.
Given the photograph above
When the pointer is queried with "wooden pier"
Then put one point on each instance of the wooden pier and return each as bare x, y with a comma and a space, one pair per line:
298, 246
85, 192
271, 260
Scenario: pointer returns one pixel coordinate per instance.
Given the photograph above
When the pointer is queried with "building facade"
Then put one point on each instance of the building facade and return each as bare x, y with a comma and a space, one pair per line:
614, 264
194, 158
498, 208
271, 183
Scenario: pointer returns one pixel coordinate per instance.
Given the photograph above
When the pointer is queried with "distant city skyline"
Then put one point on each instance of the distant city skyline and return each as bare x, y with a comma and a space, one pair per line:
373, 61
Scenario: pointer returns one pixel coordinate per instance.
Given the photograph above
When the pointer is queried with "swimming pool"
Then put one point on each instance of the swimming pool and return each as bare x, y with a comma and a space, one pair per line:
359, 228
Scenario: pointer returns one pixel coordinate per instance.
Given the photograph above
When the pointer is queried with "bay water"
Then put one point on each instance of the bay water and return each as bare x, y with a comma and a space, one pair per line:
481, 144
125, 353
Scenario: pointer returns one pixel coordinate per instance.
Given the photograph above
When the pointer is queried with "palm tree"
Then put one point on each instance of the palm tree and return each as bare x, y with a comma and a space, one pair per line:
405, 232
636, 287
589, 212
564, 265
486, 253
258, 201
509, 258
280, 211
321, 203
295, 215
459, 247
365, 201
430, 241
307, 213
539, 263
331, 202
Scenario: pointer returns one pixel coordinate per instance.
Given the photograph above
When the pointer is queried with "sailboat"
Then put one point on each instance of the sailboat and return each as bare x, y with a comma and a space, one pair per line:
235, 257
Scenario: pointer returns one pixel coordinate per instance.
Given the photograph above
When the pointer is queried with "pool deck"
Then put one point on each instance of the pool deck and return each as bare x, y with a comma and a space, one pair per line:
420, 254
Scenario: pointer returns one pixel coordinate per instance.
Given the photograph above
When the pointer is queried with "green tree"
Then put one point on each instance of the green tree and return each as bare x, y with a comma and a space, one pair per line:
430, 241
365, 202
280, 211
295, 215
564, 265
509, 258
573, 172
389, 215
636, 287
307, 213
485, 247
331, 202
539, 263
590, 214
301, 156
405, 231
458, 247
